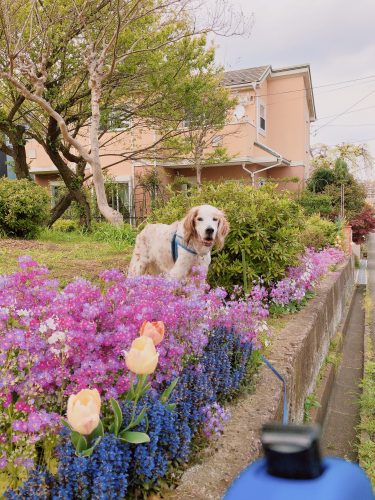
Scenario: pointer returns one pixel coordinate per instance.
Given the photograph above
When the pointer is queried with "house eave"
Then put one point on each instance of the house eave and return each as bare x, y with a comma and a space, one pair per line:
44, 170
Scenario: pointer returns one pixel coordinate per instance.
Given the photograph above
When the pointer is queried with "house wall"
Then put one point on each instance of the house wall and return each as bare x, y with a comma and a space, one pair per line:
289, 123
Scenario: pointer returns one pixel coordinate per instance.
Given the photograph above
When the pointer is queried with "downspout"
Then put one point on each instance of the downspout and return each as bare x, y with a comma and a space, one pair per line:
277, 164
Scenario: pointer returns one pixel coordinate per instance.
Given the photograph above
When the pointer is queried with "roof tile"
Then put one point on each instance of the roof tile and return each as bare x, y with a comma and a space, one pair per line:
241, 76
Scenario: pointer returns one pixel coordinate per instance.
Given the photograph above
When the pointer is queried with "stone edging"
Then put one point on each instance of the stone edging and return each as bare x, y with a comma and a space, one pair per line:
298, 352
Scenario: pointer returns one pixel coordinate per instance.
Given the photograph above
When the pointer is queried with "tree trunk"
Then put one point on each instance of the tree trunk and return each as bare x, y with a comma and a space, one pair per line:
64, 203
59, 209
108, 213
17, 140
72, 181
198, 169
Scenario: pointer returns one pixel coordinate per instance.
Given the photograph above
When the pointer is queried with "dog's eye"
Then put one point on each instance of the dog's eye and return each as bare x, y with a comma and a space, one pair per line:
200, 219
214, 219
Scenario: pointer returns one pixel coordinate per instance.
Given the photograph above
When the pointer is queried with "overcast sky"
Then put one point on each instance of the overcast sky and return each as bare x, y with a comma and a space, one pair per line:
337, 39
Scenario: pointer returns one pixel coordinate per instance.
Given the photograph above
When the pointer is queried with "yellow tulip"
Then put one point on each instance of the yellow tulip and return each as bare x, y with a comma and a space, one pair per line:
153, 329
142, 358
84, 410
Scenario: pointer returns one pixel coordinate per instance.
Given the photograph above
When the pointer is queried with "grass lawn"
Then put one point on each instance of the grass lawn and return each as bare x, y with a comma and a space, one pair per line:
67, 255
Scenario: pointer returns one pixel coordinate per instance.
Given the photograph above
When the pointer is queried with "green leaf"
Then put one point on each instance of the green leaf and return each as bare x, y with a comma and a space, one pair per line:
88, 451
118, 415
97, 432
138, 419
66, 424
75, 438
79, 441
164, 397
134, 437
171, 406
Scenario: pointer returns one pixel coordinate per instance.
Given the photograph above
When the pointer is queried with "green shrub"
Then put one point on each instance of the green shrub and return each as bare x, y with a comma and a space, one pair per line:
65, 226
265, 223
117, 236
24, 207
319, 233
313, 203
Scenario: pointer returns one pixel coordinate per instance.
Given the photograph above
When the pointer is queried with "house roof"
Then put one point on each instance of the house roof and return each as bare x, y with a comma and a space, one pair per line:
242, 76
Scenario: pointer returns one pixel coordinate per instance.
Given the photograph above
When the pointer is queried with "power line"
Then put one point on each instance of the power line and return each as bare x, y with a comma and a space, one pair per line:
345, 111
349, 112
352, 125
319, 86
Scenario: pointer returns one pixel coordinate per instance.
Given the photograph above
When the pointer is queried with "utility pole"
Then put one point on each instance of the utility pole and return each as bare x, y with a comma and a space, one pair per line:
342, 201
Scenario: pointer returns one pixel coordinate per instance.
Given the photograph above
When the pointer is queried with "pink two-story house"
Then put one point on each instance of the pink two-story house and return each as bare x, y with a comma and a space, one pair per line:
267, 134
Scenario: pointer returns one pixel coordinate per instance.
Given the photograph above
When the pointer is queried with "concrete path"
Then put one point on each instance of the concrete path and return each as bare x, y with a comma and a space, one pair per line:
339, 427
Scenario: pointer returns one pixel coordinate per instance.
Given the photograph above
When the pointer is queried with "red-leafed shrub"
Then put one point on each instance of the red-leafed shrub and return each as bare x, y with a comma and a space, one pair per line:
363, 224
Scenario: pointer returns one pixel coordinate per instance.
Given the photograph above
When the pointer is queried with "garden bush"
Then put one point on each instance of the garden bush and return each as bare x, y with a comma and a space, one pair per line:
24, 207
363, 224
65, 226
316, 203
265, 224
319, 233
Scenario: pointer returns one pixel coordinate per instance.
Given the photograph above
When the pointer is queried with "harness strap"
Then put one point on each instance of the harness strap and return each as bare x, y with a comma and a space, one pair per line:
177, 241
285, 402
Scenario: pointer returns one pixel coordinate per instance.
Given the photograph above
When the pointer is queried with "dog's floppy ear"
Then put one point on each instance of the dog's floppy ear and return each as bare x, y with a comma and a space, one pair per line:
189, 224
222, 231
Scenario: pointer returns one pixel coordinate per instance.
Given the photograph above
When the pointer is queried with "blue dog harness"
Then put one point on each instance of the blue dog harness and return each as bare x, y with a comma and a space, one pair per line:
178, 241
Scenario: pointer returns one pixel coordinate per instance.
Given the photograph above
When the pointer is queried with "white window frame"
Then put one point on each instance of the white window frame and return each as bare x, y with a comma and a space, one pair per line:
261, 130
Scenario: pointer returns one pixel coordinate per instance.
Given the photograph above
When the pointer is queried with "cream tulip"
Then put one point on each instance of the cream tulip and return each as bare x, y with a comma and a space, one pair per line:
84, 411
153, 329
142, 357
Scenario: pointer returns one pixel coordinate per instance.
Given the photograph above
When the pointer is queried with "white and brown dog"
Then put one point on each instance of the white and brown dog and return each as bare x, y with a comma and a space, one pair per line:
176, 248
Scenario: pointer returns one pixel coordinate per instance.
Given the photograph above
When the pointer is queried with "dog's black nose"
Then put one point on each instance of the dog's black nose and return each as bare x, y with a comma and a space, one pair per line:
210, 231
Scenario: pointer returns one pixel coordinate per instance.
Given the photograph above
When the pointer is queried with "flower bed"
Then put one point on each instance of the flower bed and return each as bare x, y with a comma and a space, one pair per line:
56, 342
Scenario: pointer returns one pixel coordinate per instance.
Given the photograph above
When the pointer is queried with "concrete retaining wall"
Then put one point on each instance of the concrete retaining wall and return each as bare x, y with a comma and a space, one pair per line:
297, 352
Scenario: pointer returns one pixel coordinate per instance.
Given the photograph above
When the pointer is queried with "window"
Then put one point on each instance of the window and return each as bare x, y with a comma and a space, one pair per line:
117, 119
32, 154
217, 141
262, 117
57, 189
118, 194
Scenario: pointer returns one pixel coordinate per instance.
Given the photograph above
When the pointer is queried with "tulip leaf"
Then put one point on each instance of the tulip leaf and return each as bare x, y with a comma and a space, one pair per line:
89, 451
165, 396
171, 406
134, 437
79, 441
137, 420
118, 415
146, 420
66, 423
97, 432
75, 438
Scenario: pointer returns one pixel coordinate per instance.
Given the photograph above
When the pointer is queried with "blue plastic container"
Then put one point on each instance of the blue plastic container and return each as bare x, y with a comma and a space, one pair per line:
340, 480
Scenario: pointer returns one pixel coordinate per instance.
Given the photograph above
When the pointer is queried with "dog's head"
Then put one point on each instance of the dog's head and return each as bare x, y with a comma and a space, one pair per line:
206, 225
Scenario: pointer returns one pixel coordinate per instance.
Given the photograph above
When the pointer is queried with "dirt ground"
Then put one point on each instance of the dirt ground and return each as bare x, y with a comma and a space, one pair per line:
65, 260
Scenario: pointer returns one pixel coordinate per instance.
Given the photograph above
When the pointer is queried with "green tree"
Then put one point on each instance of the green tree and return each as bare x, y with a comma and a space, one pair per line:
357, 157
205, 105
76, 59
320, 179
